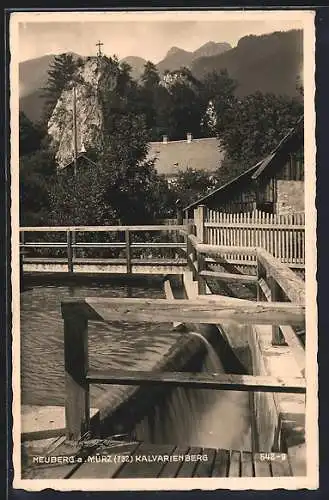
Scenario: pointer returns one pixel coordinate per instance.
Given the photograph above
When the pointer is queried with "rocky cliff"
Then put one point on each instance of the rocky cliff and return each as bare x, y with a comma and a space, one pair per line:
89, 116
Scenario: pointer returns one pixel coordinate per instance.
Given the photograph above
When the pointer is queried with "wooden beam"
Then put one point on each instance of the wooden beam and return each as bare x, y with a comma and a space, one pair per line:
265, 289
50, 229
221, 381
292, 286
128, 250
77, 411
220, 249
191, 311
243, 278
293, 342
69, 252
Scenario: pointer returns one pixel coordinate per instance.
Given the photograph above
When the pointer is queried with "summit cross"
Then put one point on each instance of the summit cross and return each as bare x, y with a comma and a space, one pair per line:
99, 44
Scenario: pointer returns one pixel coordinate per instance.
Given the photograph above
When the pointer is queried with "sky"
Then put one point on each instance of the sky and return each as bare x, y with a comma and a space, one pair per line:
147, 37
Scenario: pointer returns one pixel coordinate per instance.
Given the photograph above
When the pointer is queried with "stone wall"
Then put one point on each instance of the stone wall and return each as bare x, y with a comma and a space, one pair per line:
290, 197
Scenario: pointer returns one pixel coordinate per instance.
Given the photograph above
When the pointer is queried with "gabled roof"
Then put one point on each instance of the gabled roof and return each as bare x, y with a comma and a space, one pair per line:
79, 155
245, 174
199, 154
294, 133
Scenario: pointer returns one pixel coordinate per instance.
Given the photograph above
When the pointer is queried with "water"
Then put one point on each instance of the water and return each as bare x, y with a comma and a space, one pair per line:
201, 417
186, 416
115, 345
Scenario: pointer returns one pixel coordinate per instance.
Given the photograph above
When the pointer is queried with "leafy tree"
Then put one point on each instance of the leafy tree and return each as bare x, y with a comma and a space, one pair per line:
251, 127
192, 184
37, 174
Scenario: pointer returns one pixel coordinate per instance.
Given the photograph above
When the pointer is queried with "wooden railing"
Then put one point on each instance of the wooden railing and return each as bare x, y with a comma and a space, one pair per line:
274, 282
281, 235
77, 312
71, 243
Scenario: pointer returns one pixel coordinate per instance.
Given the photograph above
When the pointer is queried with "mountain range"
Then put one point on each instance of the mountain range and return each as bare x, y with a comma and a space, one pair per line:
266, 63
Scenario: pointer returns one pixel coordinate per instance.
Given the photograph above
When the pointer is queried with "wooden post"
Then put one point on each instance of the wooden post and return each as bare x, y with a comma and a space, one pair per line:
202, 289
69, 252
199, 218
277, 337
190, 250
179, 213
260, 275
77, 408
128, 251
74, 250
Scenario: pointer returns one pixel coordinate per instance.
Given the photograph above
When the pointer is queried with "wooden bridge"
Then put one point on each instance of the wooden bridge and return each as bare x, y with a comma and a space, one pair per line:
279, 305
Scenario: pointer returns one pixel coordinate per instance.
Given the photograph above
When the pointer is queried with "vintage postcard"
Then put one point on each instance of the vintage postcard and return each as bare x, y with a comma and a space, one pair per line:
163, 250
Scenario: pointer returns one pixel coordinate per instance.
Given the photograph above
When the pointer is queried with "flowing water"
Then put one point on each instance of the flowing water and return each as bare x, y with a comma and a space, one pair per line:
187, 416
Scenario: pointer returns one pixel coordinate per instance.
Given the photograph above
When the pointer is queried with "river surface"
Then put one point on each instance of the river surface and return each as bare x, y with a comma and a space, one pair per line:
116, 345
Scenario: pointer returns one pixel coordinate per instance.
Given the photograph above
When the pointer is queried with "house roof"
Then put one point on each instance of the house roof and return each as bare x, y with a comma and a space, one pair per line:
247, 173
199, 154
79, 155
293, 137
262, 166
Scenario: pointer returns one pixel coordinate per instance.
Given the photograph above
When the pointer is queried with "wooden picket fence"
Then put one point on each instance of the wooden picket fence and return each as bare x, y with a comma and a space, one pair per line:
281, 235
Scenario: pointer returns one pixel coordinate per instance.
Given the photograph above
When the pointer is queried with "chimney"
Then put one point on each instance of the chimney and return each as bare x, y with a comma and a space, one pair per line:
189, 137
164, 139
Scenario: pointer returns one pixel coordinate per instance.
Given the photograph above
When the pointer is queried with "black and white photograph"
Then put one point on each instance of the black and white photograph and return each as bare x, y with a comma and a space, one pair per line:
163, 242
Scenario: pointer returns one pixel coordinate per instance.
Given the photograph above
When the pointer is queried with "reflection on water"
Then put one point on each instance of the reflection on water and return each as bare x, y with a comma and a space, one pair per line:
115, 345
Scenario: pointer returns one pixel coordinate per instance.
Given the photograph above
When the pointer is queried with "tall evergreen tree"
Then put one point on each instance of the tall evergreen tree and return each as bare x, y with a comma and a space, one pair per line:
60, 74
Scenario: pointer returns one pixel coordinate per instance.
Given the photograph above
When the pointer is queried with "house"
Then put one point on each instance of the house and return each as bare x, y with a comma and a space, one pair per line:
82, 161
273, 185
172, 156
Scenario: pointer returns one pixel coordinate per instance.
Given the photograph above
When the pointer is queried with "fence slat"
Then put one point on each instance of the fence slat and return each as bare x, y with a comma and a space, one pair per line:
281, 235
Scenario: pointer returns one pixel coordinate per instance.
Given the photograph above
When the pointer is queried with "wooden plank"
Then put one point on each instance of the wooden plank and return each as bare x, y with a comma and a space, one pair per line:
265, 289
159, 245
235, 464
223, 381
296, 347
77, 410
211, 311
63, 463
40, 244
171, 468
109, 261
111, 244
221, 249
109, 466
230, 276
145, 461
189, 466
263, 225
261, 467
277, 338
246, 464
64, 229
221, 464
55, 471
280, 468
288, 281
204, 468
